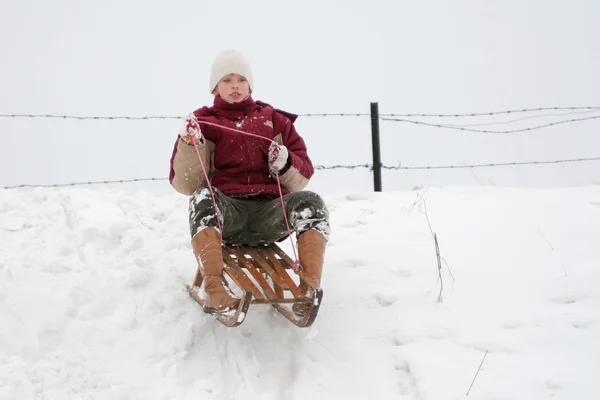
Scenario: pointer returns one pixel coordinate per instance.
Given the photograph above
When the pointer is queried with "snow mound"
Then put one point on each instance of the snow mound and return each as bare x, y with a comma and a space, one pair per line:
93, 304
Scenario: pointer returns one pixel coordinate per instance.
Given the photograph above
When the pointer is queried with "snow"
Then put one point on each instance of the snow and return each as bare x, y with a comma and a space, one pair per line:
93, 303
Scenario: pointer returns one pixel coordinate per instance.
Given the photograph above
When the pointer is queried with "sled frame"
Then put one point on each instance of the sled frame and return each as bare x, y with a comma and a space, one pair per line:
263, 274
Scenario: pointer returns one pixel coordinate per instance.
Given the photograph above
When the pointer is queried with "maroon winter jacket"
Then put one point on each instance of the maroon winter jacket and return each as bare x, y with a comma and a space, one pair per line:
238, 163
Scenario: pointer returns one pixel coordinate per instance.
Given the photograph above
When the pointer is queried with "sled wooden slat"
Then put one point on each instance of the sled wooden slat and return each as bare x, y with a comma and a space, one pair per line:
281, 301
236, 273
277, 288
279, 291
279, 267
277, 279
279, 285
228, 252
286, 259
235, 277
242, 260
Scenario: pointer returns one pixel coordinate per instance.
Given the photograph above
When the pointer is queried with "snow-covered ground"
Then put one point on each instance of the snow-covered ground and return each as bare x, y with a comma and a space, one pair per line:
93, 305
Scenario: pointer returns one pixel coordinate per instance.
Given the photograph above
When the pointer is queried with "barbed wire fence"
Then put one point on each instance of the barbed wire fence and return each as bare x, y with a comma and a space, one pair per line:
322, 167
407, 115
390, 117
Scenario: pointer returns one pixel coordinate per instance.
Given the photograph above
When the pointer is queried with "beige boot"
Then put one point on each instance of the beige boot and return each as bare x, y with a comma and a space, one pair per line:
209, 254
311, 252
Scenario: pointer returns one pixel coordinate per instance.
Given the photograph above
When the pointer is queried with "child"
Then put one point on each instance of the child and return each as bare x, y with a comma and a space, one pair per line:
242, 170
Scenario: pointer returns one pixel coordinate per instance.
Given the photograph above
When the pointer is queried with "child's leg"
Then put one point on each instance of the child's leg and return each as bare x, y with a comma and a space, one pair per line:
209, 256
305, 211
206, 243
310, 218
233, 213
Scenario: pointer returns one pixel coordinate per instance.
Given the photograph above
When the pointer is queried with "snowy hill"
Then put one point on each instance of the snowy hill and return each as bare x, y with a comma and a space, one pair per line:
93, 306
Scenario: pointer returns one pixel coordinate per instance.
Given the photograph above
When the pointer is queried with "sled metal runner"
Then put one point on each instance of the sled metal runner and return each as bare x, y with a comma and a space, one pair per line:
263, 274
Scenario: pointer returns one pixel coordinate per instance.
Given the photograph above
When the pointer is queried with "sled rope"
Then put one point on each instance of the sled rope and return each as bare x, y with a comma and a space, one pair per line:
296, 264
212, 195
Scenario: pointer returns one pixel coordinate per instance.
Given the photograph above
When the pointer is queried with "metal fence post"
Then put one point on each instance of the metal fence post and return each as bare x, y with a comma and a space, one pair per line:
376, 151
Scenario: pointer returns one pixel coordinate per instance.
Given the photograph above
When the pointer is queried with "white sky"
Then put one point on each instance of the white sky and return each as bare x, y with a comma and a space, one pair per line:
146, 58
93, 305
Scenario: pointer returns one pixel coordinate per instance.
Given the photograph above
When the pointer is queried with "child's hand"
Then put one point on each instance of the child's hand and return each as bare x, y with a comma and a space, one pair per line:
190, 132
278, 156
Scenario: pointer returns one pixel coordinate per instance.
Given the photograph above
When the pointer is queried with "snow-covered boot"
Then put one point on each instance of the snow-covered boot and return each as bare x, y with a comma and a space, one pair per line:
311, 252
209, 254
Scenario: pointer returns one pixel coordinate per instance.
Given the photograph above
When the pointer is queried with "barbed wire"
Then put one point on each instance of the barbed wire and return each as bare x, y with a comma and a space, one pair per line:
84, 183
322, 167
522, 119
495, 164
427, 167
531, 128
88, 117
493, 113
406, 115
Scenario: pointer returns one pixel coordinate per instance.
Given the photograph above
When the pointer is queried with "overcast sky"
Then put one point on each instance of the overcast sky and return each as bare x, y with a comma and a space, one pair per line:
139, 58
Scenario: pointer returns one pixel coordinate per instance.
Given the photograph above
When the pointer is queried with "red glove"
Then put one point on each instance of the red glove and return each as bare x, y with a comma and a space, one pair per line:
190, 132
278, 157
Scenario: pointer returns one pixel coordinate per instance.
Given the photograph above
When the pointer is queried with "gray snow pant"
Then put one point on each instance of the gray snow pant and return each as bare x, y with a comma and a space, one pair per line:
254, 222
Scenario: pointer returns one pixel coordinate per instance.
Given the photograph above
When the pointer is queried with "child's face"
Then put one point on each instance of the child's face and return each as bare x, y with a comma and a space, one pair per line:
233, 88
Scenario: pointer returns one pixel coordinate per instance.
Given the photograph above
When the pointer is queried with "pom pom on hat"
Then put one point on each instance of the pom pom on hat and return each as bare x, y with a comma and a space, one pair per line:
229, 62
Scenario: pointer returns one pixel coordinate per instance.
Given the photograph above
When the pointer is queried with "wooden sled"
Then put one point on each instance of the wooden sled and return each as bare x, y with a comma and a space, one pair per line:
263, 275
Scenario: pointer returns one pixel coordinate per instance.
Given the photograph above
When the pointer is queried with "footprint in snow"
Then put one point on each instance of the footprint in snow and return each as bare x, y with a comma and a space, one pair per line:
581, 324
568, 299
402, 273
357, 197
385, 299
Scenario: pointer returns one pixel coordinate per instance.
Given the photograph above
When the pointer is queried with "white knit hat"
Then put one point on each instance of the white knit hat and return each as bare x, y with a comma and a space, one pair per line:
229, 62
